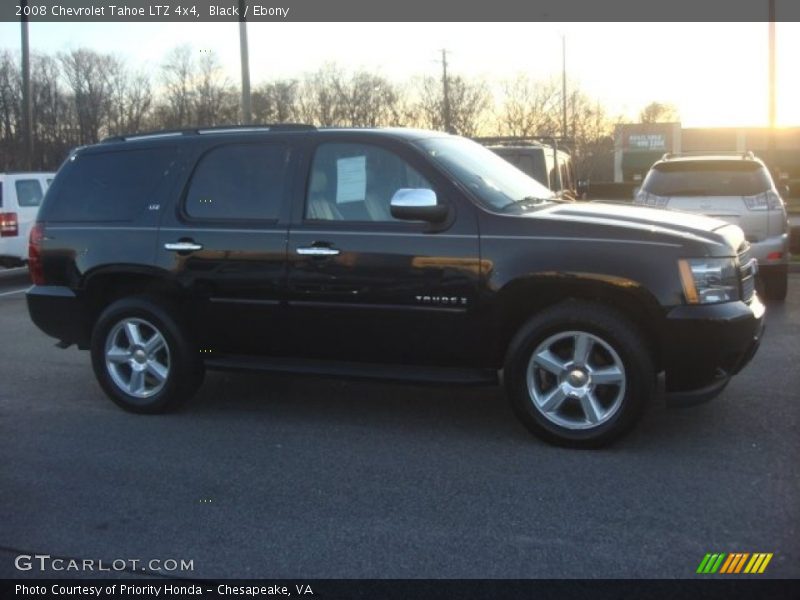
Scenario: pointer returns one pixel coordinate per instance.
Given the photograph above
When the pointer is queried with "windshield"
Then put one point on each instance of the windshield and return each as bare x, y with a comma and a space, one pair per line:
496, 183
708, 178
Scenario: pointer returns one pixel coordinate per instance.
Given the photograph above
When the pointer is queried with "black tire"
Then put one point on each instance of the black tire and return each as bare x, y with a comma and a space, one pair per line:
617, 336
184, 371
775, 285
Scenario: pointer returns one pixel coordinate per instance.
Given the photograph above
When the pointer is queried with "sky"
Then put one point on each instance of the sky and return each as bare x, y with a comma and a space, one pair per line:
716, 74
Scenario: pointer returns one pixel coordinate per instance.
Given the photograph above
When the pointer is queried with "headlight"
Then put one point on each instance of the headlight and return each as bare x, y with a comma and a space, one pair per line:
709, 280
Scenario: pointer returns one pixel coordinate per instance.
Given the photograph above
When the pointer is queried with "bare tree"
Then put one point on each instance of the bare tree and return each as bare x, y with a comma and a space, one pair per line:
529, 107
318, 101
131, 100
276, 102
55, 125
80, 95
88, 75
215, 102
469, 104
659, 112
178, 74
10, 94
366, 100
592, 134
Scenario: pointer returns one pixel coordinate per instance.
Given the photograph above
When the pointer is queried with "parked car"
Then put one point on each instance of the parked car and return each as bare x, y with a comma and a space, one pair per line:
395, 254
547, 164
736, 188
20, 197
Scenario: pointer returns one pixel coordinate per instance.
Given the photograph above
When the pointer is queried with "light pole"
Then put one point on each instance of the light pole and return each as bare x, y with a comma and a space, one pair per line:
564, 85
446, 94
772, 109
247, 111
27, 108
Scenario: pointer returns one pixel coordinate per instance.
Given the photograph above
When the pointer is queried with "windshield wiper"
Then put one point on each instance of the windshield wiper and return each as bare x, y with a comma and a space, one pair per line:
533, 201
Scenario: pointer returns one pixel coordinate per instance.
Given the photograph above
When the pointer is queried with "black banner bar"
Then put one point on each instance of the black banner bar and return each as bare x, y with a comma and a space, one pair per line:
739, 588
408, 10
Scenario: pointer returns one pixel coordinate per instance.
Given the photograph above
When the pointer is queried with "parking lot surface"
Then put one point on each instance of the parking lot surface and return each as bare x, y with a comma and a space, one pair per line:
286, 476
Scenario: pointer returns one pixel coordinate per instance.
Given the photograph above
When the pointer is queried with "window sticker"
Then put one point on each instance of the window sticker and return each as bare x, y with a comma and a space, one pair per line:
351, 175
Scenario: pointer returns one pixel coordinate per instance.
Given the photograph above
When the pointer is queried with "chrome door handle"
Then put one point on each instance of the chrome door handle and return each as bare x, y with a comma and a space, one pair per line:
182, 246
318, 251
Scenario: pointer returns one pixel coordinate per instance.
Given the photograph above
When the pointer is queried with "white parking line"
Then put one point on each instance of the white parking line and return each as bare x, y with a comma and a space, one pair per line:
14, 292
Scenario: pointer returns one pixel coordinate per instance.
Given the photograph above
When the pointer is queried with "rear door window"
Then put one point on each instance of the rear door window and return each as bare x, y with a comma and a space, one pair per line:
239, 182
29, 192
708, 178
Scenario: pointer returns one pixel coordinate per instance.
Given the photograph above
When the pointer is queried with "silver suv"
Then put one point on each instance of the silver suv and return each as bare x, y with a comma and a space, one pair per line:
736, 188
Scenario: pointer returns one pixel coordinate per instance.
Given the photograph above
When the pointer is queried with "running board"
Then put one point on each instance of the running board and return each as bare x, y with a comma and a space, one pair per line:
352, 370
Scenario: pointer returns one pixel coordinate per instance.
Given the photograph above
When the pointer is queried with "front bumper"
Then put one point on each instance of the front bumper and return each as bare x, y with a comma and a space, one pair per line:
705, 345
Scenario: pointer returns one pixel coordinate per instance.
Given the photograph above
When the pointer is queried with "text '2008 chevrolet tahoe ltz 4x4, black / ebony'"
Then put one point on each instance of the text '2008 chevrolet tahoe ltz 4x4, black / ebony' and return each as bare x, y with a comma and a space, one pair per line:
397, 254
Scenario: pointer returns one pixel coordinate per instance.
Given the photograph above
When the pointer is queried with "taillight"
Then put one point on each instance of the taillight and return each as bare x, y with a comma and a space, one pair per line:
9, 226
35, 254
765, 201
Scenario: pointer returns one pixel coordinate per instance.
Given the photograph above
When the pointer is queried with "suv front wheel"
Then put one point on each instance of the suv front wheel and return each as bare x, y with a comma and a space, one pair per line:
579, 374
775, 284
142, 357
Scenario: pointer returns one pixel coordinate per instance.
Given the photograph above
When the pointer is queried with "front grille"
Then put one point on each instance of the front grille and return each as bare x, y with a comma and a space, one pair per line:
747, 272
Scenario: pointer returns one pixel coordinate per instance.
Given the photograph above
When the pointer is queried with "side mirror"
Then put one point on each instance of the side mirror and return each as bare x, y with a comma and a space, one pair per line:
636, 190
582, 187
417, 204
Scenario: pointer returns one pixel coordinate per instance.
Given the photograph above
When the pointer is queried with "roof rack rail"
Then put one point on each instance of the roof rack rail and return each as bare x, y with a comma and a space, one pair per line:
525, 139
218, 129
745, 155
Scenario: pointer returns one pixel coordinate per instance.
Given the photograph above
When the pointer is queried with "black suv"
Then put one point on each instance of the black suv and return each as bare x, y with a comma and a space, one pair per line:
396, 254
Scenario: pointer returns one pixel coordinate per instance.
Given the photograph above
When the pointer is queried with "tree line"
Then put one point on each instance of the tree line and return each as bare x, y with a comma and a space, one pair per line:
81, 96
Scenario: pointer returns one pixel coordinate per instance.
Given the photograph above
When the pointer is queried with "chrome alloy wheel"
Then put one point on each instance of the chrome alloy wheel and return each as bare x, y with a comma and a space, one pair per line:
576, 380
137, 357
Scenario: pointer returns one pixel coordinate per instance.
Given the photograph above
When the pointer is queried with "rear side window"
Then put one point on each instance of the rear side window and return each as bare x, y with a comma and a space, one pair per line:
525, 164
109, 186
708, 178
239, 182
29, 192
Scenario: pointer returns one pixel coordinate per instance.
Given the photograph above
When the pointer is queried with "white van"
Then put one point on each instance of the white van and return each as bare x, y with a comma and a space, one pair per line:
20, 197
549, 166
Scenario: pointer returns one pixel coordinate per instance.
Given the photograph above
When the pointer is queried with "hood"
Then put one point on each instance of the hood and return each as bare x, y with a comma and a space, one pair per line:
657, 221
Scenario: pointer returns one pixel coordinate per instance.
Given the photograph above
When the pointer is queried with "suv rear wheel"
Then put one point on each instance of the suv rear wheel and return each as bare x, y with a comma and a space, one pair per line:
142, 356
579, 374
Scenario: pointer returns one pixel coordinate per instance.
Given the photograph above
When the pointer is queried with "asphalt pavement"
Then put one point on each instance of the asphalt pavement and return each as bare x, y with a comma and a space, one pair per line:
298, 477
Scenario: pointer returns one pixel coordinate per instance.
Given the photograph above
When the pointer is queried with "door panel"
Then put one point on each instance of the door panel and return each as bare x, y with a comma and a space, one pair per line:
226, 246
380, 290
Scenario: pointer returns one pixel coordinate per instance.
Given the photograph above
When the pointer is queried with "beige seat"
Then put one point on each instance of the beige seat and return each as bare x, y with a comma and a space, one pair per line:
377, 207
319, 206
